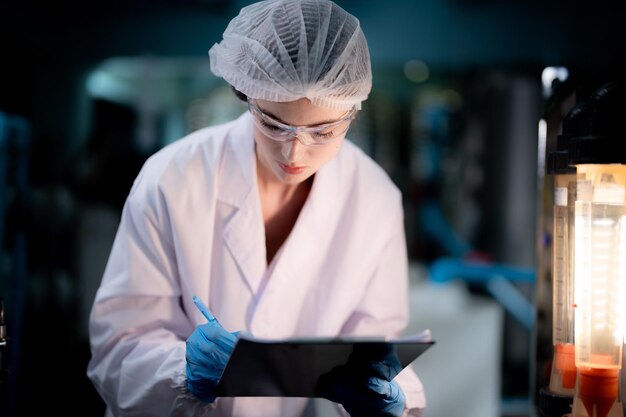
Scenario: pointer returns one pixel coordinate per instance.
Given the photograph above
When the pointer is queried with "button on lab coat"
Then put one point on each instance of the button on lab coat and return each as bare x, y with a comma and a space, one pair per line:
192, 225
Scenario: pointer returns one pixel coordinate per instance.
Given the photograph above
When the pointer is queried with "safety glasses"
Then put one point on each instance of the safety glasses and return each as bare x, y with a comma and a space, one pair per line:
321, 134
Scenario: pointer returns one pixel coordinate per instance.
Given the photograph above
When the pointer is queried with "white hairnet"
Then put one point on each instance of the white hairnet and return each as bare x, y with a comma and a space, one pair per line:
285, 50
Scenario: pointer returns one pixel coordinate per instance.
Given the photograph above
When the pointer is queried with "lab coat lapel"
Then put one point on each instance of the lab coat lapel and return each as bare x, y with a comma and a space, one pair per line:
292, 278
238, 196
317, 212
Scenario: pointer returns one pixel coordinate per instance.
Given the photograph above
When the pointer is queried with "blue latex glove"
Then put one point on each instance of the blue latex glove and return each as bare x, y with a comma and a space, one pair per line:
208, 350
364, 385
374, 397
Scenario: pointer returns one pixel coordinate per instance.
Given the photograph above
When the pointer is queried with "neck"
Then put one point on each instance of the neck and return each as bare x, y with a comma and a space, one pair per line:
269, 185
280, 192
280, 204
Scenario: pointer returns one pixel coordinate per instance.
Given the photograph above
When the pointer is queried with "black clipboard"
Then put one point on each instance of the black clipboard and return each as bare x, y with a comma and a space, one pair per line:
301, 367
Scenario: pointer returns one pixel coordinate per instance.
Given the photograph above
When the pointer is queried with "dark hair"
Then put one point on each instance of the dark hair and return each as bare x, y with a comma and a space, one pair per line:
241, 96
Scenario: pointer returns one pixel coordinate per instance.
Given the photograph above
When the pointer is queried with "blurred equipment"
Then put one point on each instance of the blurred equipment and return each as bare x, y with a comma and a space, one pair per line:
467, 325
556, 399
15, 135
588, 272
599, 154
4, 370
497, 279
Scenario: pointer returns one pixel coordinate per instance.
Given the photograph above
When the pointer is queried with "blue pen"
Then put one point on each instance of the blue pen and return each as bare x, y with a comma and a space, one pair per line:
203, 309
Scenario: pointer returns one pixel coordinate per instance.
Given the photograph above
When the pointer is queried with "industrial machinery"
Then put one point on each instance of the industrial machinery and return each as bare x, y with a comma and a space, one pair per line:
588, 263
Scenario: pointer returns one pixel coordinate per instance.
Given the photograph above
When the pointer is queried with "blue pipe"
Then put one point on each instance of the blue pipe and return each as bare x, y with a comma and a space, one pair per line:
496, 278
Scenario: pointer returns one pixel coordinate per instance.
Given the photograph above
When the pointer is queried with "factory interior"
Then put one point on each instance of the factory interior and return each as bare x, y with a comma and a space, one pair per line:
469, 99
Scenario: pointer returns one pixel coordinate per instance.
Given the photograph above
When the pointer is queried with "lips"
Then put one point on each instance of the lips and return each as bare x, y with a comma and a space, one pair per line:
292, 170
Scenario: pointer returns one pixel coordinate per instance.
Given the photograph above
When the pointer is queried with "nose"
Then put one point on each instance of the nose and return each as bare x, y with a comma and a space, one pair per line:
292, 150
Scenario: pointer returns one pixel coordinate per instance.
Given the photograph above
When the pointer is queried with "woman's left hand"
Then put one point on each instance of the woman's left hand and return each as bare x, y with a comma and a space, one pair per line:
373, 397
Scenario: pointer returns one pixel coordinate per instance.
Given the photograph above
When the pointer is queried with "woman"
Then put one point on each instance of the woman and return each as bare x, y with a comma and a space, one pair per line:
281, 226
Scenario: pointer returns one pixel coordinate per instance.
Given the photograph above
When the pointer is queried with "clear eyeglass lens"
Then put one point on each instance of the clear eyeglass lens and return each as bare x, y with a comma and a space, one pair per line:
307, 135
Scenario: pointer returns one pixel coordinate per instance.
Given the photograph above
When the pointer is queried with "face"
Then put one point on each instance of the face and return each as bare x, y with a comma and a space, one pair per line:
291, 162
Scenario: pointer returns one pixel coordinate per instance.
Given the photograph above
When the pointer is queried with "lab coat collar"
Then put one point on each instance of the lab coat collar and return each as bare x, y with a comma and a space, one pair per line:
238, 165
292, 275
298, 251
238, 189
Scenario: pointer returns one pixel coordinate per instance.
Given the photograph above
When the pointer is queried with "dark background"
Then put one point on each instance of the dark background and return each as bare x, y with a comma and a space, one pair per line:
463, 140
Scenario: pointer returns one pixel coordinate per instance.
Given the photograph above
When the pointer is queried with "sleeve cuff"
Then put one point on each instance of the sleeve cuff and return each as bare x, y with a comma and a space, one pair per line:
186, 404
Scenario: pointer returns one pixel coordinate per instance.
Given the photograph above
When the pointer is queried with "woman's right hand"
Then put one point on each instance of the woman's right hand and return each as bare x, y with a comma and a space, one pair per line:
208, 350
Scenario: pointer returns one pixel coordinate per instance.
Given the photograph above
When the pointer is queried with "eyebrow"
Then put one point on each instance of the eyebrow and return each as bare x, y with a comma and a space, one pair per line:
273, 116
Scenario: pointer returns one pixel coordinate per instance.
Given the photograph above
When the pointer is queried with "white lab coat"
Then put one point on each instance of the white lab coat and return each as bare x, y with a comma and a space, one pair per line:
192, 224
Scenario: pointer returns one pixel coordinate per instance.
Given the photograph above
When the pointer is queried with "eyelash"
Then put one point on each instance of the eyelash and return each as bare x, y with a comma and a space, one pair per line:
325, 135
269, 125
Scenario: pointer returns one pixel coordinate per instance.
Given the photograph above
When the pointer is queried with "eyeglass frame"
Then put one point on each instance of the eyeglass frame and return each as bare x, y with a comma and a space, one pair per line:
292, 132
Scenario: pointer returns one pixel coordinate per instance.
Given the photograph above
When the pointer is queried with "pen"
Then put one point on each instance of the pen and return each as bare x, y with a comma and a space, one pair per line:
203, 309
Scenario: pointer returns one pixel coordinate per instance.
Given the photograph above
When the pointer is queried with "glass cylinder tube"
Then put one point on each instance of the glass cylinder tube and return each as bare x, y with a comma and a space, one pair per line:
599, 284
563, 376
